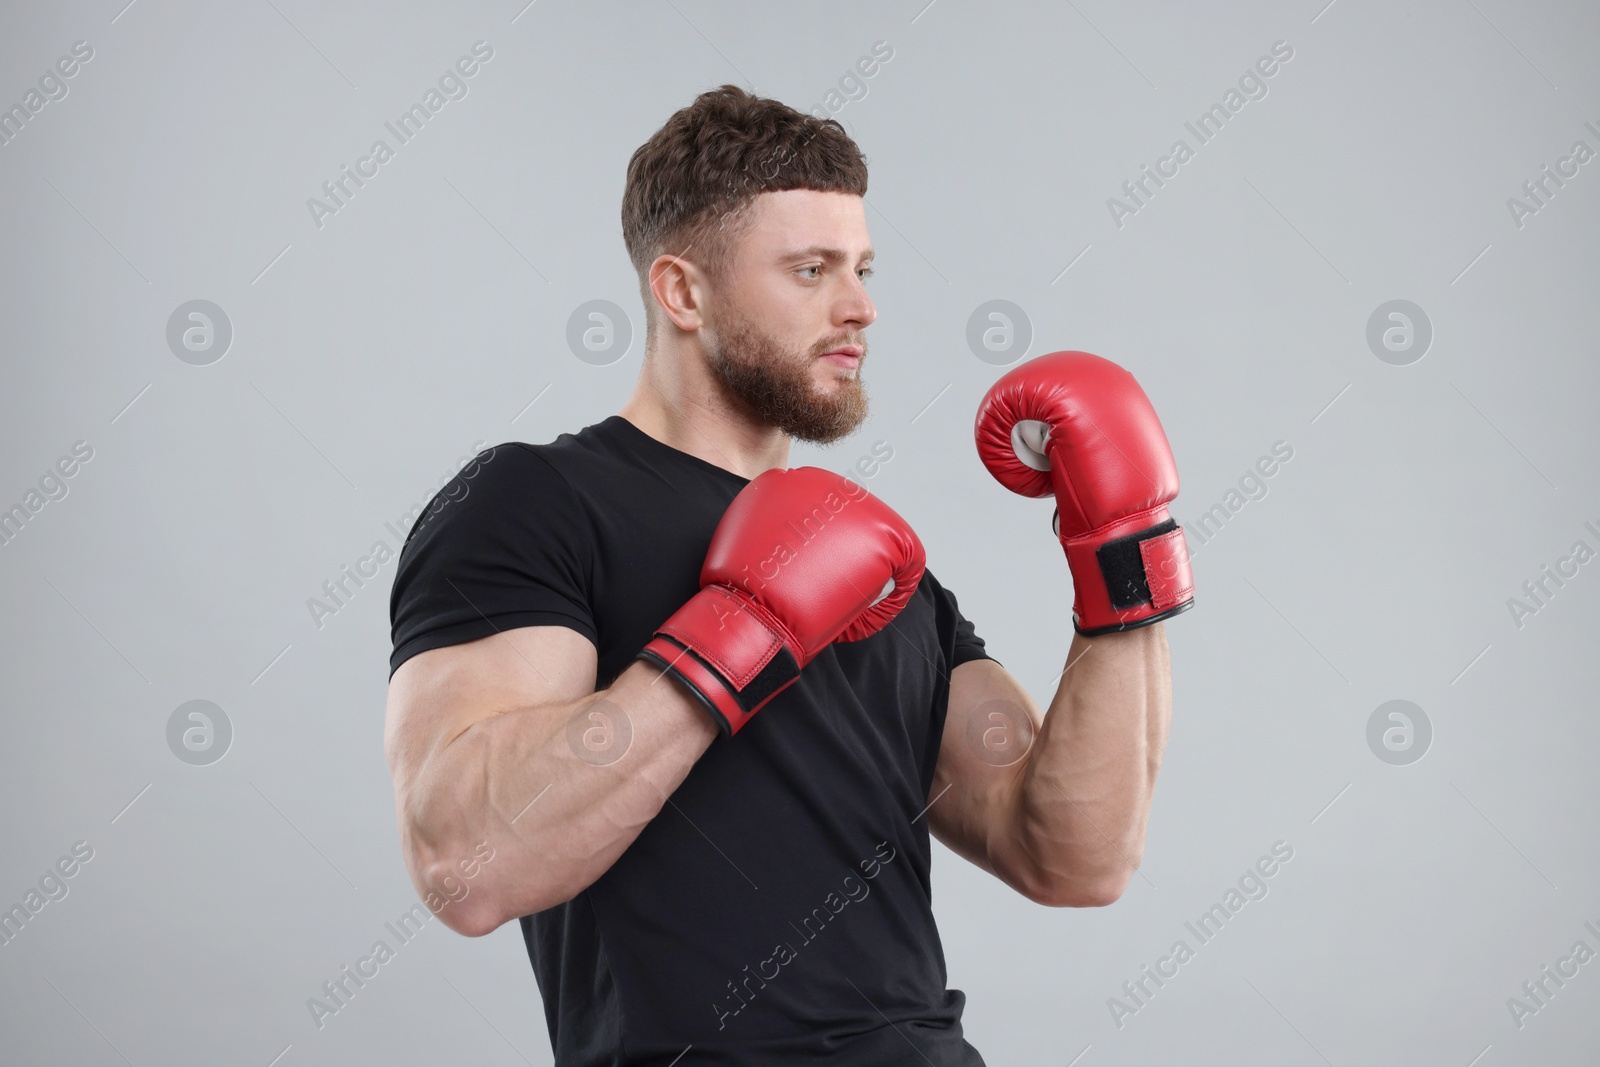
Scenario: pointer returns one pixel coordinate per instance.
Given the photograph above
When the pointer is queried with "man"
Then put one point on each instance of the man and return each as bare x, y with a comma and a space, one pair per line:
704, 766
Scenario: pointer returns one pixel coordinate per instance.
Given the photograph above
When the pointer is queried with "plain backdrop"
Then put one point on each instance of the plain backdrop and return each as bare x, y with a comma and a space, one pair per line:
375, 347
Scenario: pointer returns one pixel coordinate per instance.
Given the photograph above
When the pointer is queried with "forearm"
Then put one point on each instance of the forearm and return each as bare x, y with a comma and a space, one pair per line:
1086, 791
557, 792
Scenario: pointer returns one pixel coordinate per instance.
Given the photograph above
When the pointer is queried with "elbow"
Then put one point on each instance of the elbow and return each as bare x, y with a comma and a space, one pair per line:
1081, 892
454, 881
1099, 895
1077, 897
1073, 878
474, 916
463, 894
469, 910
464, 880
481, 913
474, 908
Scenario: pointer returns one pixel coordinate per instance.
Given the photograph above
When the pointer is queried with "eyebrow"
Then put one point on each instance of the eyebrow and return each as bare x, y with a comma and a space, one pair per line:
830, 255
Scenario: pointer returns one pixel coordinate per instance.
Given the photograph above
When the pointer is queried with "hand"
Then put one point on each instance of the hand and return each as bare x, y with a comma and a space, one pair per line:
1079, 426
800, 559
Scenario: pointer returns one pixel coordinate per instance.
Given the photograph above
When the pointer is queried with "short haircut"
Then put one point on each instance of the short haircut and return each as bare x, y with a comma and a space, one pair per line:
690, 186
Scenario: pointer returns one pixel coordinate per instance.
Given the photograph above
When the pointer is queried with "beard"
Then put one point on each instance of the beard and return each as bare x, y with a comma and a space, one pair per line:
773, 383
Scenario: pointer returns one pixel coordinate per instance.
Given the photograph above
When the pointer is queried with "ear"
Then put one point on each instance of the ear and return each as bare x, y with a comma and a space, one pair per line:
680, 289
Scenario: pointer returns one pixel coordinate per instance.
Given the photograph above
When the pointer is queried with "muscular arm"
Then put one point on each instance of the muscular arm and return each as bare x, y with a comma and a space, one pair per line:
1064, 825
477, 740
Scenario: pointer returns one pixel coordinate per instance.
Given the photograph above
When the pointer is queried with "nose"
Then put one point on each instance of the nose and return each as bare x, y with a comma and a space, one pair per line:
856, 309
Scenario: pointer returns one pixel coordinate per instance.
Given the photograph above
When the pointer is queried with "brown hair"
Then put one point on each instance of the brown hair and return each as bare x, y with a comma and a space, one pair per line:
691, 184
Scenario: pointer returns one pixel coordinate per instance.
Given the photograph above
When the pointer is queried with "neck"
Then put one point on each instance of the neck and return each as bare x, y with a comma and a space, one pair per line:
680, 402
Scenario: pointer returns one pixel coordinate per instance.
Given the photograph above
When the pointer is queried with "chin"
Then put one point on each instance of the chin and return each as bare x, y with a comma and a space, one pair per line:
833, 373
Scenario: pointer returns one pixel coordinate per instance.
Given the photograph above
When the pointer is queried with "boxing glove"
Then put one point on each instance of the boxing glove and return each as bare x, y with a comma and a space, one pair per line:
1079, 426
800, 559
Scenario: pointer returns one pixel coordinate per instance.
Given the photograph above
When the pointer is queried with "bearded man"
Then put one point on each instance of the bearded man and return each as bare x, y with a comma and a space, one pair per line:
690, 717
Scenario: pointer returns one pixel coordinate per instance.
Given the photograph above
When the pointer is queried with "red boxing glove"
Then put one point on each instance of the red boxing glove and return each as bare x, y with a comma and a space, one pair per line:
800, 559
1079, 426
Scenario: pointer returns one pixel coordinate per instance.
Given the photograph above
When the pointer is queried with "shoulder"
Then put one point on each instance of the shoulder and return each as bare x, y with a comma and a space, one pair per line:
503, 535
935, 591
952, 622
495, 485
937, 602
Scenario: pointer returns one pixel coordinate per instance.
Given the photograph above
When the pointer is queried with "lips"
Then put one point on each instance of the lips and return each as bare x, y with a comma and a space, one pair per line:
845, 356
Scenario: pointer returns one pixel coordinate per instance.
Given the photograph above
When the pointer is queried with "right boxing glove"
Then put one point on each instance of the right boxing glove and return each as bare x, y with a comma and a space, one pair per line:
1079, 427
800, 559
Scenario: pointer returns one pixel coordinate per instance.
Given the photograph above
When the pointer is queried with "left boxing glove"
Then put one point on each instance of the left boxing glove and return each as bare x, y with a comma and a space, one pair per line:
1079, 426
800, 559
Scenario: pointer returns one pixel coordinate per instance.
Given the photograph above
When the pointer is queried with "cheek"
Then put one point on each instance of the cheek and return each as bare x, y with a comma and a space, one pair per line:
799, 332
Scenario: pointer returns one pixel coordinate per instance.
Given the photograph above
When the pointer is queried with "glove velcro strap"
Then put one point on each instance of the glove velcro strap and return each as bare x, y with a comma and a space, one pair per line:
729, 653
1148, 567
1132, 579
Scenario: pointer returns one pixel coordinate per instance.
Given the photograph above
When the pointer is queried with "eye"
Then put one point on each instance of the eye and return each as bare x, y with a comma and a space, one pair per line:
814, 267
864, 273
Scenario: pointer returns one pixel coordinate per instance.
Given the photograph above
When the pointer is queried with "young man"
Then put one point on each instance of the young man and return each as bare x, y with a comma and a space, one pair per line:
715, 854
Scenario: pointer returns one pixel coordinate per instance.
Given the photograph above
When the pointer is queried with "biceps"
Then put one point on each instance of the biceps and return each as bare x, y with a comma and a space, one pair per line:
436, 696
989, 731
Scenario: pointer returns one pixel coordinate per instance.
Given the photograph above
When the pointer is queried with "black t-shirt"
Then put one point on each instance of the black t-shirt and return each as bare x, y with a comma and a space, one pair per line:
778, 909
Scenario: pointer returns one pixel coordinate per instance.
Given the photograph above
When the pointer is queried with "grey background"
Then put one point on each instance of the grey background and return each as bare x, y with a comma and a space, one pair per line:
372, 355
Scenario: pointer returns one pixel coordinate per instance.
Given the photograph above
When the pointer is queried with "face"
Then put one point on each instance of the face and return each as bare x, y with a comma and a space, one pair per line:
794, 297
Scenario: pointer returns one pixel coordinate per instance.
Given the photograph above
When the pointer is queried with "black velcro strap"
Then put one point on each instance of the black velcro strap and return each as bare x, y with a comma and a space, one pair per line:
779, 672
1123, 566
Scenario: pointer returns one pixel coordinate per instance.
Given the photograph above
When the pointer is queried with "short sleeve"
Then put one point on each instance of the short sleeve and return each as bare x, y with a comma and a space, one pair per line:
505, 543
967, 645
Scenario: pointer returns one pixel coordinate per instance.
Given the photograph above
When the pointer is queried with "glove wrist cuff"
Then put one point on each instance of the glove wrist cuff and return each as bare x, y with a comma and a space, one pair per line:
1130, 573
729, 653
